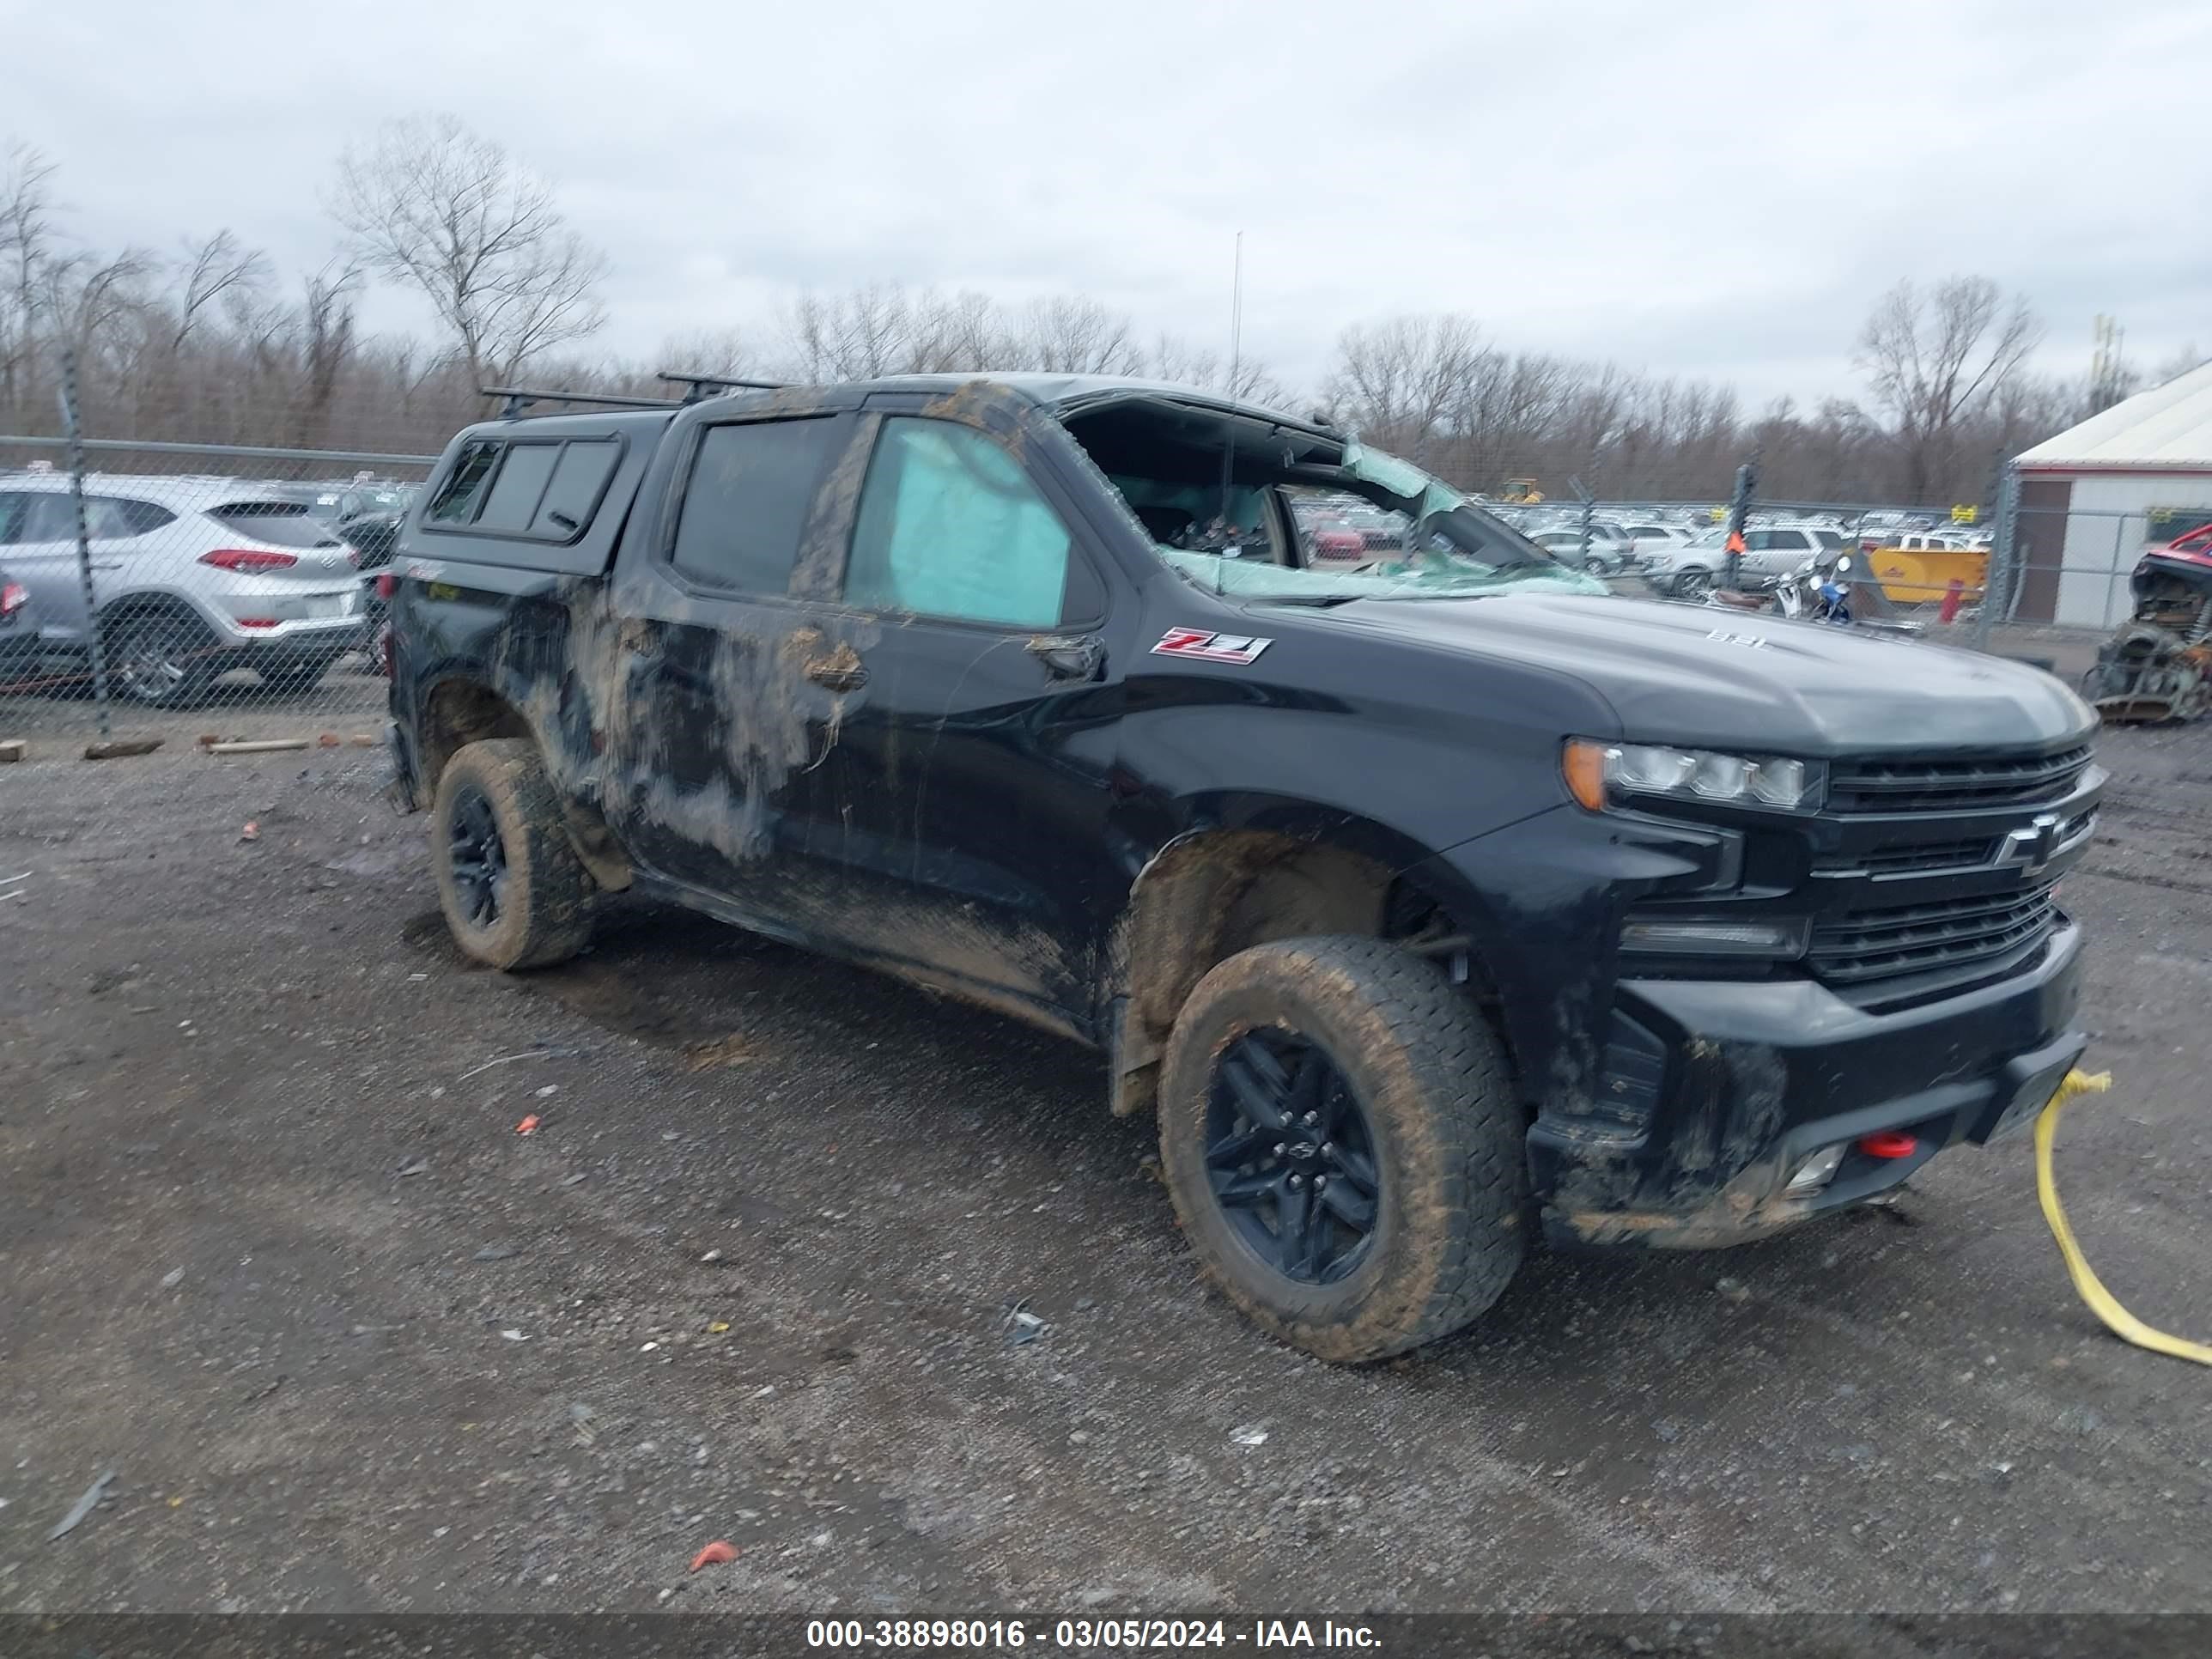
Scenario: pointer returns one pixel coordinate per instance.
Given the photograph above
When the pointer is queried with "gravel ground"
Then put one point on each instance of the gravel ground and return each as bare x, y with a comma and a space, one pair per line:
272, 1251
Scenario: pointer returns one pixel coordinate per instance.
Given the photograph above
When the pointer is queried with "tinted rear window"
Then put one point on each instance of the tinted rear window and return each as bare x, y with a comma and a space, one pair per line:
537, 490
287, 524
457, 498
579, 480
516, 487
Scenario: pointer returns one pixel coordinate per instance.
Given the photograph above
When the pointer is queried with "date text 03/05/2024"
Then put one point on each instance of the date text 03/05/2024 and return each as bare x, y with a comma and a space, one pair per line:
1088, 1634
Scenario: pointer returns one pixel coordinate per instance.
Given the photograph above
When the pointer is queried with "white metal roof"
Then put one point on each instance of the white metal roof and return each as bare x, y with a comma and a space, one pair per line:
2167, 428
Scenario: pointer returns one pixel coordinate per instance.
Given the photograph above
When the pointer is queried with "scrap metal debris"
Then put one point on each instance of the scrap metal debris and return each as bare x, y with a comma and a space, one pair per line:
1019, 1326
83, 1506
2158, 666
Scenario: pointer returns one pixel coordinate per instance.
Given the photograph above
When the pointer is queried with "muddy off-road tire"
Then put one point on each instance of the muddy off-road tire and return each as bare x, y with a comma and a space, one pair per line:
513, 891
1394, 1215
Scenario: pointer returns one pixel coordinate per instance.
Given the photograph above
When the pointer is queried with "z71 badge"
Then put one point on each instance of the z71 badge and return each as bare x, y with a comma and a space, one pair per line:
1209, 647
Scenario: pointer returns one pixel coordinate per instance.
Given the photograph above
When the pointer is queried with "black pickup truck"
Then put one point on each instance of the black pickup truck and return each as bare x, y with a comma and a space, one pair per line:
1427, 899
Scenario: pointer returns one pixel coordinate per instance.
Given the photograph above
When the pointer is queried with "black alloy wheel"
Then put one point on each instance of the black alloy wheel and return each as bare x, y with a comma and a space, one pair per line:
478, 857
1291, 1156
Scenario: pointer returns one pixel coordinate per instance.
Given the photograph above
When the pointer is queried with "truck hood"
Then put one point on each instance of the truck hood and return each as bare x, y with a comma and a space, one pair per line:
1707, 678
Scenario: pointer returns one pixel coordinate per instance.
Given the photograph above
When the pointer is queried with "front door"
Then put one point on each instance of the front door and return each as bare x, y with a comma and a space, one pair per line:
966, 797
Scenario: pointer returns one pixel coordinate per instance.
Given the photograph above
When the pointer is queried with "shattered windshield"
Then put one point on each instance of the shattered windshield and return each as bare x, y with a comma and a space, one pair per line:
1419, 576
1429, 542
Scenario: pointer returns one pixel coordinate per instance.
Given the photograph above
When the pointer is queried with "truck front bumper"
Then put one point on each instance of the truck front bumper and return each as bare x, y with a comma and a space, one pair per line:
1747, 1081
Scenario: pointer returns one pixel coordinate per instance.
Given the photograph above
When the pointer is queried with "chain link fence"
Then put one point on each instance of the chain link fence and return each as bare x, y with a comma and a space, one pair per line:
193, 592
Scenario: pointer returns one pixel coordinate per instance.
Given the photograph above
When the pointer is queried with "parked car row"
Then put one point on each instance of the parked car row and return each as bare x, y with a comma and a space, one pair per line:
192, 577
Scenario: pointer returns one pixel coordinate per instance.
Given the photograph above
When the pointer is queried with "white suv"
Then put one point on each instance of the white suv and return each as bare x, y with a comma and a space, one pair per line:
1769, 550
191, 577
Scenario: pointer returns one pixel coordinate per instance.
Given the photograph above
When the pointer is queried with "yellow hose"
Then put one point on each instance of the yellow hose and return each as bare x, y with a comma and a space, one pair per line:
2121, 1324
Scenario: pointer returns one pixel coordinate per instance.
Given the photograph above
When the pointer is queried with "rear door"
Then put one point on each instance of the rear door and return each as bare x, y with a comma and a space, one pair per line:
37, 543
731, 681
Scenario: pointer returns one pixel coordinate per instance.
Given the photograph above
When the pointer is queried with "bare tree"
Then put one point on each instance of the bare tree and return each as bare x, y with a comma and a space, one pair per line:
26, 234
1937, 359
858, 334
433, 205
219, 267
1249, 378
710, 351
1398, 384
968, 332
1069, 334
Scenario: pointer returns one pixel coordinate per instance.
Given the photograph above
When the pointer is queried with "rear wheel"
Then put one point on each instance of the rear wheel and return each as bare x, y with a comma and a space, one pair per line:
164, 659
514, 893
1343, 1145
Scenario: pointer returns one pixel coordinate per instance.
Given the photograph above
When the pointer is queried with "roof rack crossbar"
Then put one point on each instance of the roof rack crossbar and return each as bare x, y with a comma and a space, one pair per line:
704, 386
521, 398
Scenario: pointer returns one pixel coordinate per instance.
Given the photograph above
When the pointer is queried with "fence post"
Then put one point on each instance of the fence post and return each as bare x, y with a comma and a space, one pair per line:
1998, 586
92, 630
1746, 480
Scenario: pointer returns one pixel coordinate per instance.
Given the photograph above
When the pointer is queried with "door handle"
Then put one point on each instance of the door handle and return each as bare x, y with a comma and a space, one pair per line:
1069, 656
837, 676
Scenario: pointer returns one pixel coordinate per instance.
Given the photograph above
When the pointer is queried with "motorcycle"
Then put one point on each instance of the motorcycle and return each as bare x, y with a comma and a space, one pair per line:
1819, 591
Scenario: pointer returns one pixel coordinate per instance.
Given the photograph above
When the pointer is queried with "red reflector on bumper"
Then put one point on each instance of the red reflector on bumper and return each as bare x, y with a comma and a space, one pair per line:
1889, 1143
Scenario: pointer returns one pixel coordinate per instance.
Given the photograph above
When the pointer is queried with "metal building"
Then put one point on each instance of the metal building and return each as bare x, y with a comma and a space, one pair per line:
2094, 497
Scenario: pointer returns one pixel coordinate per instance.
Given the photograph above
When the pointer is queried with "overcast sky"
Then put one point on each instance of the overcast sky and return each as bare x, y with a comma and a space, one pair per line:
1701, 187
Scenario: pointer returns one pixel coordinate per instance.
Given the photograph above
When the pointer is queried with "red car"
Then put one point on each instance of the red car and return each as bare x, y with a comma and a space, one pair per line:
1333, 538
2194, 545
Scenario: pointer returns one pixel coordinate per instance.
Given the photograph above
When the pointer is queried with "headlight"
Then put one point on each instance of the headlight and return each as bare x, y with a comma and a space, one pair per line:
1599, 774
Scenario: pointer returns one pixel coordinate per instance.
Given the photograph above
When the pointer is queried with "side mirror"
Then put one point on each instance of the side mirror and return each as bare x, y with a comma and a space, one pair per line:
1844, 564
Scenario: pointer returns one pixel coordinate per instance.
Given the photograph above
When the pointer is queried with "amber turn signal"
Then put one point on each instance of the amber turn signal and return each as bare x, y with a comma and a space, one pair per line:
1582, 764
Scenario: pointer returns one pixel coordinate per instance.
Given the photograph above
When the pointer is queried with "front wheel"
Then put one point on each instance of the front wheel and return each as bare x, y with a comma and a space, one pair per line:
1692, 583
1343, 1145
514, 893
